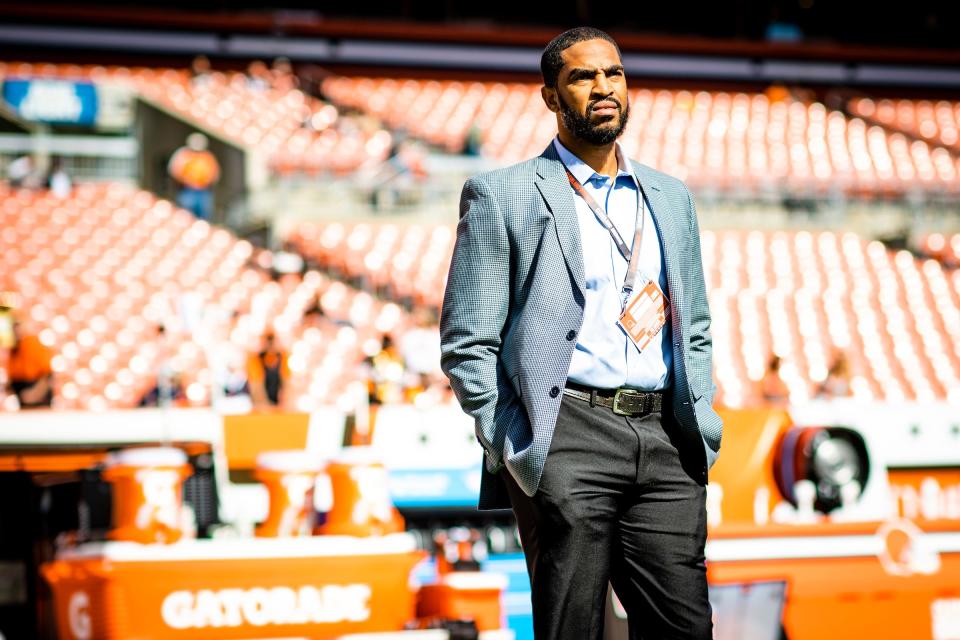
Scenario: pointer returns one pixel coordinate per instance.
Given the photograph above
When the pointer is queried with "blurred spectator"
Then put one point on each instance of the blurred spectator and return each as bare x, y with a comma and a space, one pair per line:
412, 158
232, 389
267, 371
200, 75
168, 392
196, 170
58, 180
420, 346
29, 371
473, 143
8, 302
234, 381
397, 179
385, 374
22, 174
314, 315
286, 261
837, 382
168, 389
772, 387
282, 77
190, 311
312, 78
258, 76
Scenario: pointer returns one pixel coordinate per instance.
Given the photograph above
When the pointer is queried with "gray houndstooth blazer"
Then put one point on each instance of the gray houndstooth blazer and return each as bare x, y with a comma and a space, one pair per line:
514, 304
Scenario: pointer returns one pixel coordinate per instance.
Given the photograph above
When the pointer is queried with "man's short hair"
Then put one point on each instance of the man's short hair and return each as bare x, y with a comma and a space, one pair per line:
551, 61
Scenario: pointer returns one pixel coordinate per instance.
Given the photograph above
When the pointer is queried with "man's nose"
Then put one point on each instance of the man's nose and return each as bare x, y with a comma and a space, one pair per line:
602, 86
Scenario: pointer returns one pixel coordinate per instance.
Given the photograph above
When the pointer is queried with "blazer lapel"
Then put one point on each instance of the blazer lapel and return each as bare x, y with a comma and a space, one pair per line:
664, 219
554, 187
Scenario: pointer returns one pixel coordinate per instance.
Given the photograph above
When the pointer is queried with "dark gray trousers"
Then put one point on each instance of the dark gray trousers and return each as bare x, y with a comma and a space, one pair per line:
616, 503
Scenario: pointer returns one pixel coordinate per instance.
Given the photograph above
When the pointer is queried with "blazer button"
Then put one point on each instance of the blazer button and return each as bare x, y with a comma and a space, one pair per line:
571, 334
554, 392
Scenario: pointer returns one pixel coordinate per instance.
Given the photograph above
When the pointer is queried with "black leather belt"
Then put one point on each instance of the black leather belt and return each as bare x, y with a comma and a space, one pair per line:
624, 402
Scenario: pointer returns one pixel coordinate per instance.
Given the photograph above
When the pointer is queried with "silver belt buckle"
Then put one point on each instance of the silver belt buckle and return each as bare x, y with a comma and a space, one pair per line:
616, 404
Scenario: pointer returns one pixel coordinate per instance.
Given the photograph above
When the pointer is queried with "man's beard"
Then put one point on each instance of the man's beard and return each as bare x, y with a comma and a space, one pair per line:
595, 133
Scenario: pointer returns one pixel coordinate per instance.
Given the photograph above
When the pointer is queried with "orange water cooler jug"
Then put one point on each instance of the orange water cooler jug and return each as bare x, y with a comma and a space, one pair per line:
147, 494
361, 496
290, 477
465, 595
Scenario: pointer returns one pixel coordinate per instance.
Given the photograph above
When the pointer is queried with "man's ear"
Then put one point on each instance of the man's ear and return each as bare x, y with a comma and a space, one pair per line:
549, 96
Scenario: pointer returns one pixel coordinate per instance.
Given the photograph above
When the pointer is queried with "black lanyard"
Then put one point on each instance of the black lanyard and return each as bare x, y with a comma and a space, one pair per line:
631, 256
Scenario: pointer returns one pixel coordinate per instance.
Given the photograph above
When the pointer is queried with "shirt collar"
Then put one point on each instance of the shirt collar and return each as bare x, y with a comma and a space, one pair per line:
584, 172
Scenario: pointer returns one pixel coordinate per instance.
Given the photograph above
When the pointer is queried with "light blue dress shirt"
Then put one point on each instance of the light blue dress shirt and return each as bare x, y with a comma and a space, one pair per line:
604, 356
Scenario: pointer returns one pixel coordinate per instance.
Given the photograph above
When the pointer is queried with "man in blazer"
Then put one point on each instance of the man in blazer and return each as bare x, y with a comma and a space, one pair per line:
591, 388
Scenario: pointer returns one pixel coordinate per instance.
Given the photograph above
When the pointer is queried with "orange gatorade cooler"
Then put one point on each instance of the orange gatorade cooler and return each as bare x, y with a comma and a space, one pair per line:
290, 477
317, 587
465, 595
147, 499
361, 497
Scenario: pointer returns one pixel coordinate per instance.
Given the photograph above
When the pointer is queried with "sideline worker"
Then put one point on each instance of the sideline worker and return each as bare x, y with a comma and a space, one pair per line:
267, 371
29, 370
196, 170
575, 330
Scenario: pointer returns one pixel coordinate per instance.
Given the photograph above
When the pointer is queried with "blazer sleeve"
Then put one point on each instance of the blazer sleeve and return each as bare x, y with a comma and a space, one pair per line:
701, 342
476, 304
